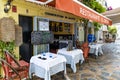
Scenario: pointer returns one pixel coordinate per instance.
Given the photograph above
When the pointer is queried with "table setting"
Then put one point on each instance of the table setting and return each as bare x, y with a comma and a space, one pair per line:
46, 64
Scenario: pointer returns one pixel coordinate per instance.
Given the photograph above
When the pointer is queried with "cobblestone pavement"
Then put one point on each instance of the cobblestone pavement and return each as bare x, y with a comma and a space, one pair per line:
105, 67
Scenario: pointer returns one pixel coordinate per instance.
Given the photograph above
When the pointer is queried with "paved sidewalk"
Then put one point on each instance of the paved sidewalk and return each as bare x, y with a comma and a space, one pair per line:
105, 67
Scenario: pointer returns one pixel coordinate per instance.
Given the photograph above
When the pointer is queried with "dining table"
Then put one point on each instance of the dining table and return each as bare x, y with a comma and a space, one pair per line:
96, 49
73, 57
46, 64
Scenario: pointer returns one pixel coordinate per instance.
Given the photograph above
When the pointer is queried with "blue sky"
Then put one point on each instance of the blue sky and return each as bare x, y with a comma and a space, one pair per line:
113, 3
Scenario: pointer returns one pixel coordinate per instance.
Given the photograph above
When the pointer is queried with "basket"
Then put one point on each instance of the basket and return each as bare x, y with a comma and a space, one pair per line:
7, 29
18, 35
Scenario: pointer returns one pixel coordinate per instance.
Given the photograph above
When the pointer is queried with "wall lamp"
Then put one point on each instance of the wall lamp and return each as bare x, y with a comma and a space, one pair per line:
7, 6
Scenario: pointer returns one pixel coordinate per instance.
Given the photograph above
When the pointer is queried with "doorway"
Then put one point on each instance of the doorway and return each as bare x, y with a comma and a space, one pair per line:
26, 49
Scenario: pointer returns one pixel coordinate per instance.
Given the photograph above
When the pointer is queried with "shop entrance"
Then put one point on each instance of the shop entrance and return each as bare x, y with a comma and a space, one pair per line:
26, 49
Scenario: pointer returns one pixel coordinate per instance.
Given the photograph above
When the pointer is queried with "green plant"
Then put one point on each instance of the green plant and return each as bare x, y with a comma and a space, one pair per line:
97, 26
95, 5
9, 46
112, 30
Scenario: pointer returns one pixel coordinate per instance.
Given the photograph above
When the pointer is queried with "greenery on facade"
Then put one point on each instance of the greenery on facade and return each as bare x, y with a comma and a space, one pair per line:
93, 4
112, 30
97, 26
9, 46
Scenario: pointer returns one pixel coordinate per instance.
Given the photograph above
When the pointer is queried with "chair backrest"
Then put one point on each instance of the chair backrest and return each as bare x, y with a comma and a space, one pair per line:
85, 49
85, 44
6, 69
20, 66
9, 58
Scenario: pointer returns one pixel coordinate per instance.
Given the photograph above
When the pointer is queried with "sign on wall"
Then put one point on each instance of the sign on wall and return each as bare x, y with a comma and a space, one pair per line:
43, 24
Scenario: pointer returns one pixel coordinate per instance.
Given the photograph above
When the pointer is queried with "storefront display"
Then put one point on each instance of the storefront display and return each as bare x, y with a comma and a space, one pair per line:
41, 36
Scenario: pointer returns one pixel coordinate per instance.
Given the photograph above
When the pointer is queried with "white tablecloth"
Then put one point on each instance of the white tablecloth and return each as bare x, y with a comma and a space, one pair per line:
95, 49
50, 66
73, 57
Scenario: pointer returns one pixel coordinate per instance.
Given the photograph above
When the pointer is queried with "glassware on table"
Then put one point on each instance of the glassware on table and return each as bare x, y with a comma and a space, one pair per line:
50, 55
44, 54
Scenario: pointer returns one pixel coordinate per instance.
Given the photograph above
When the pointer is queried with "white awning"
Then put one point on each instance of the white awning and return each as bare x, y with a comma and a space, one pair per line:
114, 15
41, 2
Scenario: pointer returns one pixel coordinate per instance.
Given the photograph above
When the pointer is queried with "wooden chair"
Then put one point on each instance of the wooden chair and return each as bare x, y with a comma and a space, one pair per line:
85, 48
17, 64
11, 73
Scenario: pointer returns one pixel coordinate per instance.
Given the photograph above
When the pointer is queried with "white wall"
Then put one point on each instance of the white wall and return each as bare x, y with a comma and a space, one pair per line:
118, 30
81, 34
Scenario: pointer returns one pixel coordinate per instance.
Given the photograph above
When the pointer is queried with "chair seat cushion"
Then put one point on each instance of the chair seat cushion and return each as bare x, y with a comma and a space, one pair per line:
21, 62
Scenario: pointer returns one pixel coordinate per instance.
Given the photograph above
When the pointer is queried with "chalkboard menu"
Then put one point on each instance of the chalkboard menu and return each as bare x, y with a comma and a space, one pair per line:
41, 37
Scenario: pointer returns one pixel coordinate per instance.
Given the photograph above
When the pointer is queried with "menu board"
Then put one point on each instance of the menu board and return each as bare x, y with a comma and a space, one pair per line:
43, 24
41, 37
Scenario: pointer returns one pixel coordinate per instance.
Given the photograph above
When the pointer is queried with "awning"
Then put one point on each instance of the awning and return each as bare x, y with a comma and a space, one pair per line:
77, 8
114, 15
